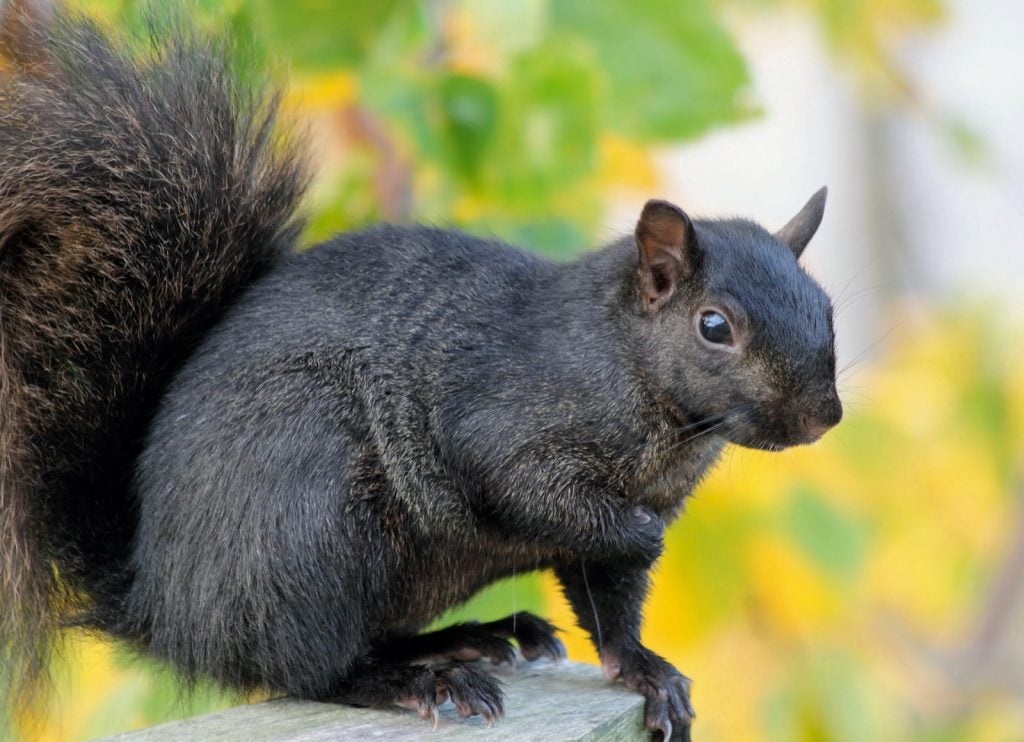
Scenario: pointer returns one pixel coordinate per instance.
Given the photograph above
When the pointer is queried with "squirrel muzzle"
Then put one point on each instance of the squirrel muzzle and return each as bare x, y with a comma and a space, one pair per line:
823, 417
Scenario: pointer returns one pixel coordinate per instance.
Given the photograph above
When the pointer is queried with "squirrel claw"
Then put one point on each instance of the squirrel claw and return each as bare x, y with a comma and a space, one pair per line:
473, 691
431, 714
668, 712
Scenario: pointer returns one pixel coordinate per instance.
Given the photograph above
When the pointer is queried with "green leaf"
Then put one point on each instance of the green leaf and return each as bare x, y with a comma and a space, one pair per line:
968, 142
469, 108
554, 237
709, 552
500, 599
826, 696
833, 540
548, 136
324, 36
672, 71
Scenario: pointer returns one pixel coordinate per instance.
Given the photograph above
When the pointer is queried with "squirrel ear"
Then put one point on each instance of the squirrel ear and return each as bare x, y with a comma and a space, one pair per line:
667, 252
801, 228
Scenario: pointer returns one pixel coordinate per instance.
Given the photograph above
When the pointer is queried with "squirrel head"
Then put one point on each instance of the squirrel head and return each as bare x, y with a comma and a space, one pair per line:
741, 337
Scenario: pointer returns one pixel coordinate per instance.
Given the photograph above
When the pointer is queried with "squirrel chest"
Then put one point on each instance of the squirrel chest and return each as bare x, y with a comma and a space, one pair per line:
668, 470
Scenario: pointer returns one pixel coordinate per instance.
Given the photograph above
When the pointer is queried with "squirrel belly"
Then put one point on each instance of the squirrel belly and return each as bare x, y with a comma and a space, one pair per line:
274, 468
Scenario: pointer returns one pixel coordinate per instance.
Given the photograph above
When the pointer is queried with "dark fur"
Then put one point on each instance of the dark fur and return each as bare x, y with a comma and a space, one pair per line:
137, 199
276, 469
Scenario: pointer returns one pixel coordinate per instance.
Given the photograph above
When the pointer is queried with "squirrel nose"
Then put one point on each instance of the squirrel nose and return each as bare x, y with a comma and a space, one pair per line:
825, 417
813, 429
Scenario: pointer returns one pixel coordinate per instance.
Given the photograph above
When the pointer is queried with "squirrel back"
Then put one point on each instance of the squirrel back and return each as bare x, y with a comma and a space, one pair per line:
139, 194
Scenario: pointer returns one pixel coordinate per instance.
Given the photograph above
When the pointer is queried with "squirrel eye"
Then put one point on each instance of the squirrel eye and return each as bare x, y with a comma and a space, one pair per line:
715, 328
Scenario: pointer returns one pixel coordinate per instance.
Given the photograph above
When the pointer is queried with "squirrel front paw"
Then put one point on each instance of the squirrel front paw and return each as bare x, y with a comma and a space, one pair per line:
668, 713
644, 536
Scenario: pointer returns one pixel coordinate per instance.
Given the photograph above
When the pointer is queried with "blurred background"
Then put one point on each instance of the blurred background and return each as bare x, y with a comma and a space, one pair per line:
868, 587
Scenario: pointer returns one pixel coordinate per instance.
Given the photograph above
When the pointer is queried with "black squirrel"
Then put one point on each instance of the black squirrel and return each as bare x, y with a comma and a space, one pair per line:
274, 468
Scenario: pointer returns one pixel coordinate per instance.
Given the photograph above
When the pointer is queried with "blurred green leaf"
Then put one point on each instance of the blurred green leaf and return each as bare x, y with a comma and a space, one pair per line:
708, 551
501, 599
118, 711
986, 405
323, 35
835, 541
549, 131
470, 115
554, 237
967, 141
672, 70
825, 697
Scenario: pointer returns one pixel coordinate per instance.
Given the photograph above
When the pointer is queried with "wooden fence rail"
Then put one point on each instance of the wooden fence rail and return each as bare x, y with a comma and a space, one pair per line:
567, 701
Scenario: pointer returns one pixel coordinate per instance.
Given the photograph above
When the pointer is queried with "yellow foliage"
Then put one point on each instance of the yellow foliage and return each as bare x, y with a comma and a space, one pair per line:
626, 164
736, 664
318, 93
790, 596
94, 679
577, 643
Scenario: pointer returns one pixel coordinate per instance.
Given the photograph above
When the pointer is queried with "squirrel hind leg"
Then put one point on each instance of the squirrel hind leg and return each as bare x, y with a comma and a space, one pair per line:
536, 637
472, 641
385, 682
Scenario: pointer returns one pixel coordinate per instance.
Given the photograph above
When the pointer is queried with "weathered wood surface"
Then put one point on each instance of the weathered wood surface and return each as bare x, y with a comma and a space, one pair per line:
567, 701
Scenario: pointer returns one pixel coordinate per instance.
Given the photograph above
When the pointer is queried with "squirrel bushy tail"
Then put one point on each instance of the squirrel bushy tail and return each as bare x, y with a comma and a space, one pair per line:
139, 194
